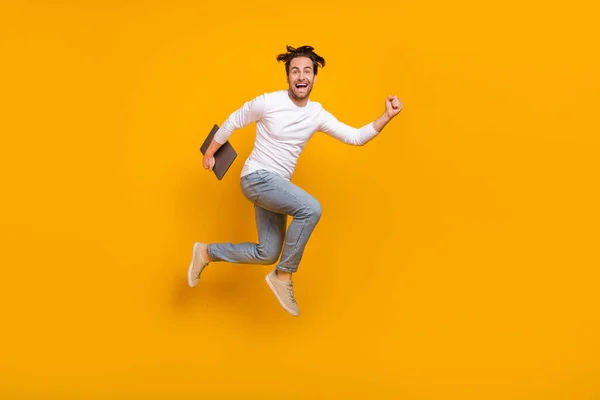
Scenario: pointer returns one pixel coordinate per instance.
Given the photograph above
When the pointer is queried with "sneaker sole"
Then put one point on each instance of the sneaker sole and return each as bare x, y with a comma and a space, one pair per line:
286, 308
192, 264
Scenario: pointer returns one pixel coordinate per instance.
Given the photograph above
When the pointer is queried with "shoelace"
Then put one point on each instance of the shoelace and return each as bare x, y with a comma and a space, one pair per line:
290, 290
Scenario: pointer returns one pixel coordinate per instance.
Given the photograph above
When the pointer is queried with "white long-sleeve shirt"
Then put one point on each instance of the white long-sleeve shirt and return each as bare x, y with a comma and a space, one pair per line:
283, 129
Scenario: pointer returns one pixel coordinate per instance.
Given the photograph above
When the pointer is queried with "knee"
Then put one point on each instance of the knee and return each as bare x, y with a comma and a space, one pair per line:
313, 211
267, 255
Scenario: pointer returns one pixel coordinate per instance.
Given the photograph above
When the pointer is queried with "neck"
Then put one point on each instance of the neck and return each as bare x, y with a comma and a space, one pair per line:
297, 101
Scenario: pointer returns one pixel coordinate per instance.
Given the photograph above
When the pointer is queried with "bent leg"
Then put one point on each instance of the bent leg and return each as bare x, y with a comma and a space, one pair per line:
271, 232
283, 197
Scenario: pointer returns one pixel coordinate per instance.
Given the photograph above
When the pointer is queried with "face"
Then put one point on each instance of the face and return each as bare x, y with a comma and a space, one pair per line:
301, 77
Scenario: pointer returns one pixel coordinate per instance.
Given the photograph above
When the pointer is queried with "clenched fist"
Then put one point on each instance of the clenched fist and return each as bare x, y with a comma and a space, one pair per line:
393, 106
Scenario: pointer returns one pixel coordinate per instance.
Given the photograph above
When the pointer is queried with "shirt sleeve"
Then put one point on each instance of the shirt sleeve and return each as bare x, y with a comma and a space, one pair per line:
251, 111
345, 133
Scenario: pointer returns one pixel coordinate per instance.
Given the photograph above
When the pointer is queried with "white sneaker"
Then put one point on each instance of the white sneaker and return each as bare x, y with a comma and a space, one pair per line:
197, 265
284, 292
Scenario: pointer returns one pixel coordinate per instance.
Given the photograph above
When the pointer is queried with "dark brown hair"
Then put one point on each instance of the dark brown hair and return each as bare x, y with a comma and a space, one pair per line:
302, 51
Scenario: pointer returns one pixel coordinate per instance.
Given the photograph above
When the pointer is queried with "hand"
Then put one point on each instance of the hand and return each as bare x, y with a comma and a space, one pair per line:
393, 106
208, 162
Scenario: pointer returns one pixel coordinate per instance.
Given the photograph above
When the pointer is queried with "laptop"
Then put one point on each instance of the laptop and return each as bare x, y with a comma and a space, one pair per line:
224, 156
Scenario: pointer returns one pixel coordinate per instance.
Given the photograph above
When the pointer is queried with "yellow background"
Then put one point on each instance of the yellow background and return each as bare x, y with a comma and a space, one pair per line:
457, 255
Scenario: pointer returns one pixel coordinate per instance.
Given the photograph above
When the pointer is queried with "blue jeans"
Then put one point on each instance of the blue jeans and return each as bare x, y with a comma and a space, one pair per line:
274, 198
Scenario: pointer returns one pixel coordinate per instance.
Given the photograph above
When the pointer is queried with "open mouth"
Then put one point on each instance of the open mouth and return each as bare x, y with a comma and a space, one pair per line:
301, 85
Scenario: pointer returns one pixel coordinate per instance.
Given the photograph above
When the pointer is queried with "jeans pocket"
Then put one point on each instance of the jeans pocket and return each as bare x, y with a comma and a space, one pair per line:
248, 184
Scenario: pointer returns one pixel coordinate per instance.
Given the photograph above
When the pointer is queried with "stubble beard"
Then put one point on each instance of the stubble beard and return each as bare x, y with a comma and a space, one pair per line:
297, 96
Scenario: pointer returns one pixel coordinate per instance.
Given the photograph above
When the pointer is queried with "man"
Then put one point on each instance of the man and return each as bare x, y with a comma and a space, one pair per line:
285, 121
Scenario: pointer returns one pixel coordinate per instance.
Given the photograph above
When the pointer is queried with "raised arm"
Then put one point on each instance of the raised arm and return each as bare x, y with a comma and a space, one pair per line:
251, 111
360, 136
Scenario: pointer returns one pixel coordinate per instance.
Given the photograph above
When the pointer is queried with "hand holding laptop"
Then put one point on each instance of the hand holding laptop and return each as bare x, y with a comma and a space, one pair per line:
222, 159
208, 162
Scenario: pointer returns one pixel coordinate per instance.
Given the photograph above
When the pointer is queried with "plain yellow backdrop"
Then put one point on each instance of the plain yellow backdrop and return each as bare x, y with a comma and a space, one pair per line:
457, 255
